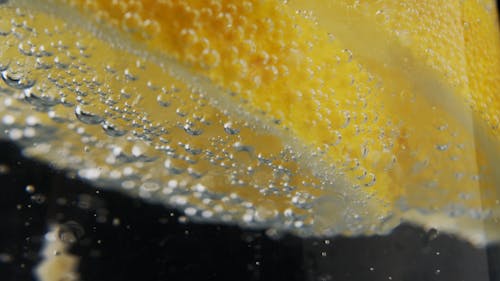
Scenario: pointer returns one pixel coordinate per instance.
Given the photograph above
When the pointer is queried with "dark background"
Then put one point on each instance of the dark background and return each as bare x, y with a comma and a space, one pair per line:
150, 243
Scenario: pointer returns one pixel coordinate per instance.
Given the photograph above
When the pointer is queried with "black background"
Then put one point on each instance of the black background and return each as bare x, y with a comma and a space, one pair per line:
151, 244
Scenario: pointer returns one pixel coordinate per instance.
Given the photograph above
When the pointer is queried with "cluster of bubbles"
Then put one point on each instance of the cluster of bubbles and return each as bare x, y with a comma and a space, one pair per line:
120, 121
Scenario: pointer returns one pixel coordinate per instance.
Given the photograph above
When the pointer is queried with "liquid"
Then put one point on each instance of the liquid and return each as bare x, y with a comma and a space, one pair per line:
107, 111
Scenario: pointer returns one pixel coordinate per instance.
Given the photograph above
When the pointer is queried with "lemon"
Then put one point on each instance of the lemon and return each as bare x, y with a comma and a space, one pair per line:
320, 116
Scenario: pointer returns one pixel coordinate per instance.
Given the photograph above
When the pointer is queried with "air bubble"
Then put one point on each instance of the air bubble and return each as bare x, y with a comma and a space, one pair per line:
38, 198
112, 130
442, 147
172, 167
5, 258
90, 173
87, 117
190, 211
191, 129
30, 188
17, 80
129, 75
210, 58
265, 213
40, 100
150, 187
8, 119
70, 232
15, 134
163, 100
302, 200
229, 128
26, 48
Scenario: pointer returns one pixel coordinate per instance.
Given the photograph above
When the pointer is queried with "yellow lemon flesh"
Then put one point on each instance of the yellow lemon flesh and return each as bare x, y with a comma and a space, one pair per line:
317, 116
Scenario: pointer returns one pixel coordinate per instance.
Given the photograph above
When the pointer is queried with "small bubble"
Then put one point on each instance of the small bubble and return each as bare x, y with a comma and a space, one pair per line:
348, 55
17, 80
39, 100
442, 147
190, 211
129, 75
128, 184
229, 129
265, 213
210, 58
87, 117
15, 134
4, 169
182, 111
32, 121
8, 120
298, 224
172, 167
4, 257
84, 201
182, 219
347, 116
163, 100
70, 232
26, 48
432, 234
90, 173
38, 198
207, 214
150, 187
112, 130
302, 200
191, 129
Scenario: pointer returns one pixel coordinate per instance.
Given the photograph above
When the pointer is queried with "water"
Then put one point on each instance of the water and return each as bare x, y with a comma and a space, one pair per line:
118, 237
121, 120
127, 123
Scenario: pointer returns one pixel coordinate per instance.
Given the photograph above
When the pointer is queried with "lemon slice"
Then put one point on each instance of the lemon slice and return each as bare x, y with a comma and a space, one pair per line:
321, 117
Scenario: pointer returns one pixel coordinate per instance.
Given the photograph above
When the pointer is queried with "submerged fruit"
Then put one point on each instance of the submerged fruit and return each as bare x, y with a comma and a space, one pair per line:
268, 113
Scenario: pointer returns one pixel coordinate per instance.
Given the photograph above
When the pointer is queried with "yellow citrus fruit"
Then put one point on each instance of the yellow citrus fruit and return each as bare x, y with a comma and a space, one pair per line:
320, 116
